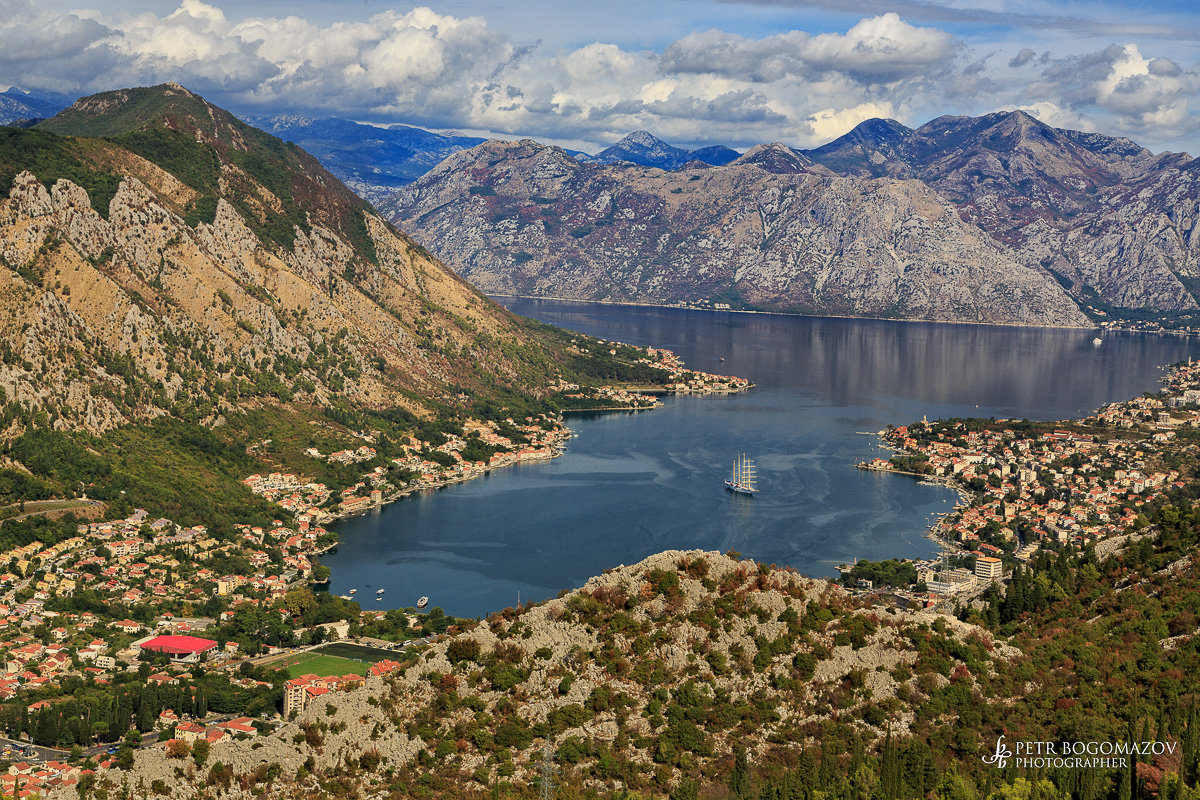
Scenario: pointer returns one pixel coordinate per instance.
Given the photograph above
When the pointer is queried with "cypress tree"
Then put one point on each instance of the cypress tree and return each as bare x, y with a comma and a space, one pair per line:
806, 776
737, 776
889, 769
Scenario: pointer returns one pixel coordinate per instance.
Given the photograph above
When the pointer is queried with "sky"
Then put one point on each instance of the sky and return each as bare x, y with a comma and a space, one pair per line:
693, 72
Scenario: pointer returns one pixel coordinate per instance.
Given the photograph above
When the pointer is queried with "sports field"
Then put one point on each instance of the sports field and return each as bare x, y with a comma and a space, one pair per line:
317, 664
338, 658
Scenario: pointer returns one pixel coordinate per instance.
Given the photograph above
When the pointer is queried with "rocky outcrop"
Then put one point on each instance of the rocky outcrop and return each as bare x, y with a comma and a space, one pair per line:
189, 264
1110, 219
108, 320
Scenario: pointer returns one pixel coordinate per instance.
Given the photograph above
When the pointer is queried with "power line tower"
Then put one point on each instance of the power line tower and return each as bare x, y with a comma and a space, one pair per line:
548, 770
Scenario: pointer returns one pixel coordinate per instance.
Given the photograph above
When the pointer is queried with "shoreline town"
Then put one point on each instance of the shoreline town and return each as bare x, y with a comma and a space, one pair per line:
1027, 486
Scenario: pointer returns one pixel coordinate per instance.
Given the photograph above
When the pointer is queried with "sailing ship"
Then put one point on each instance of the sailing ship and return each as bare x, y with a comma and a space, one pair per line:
743, 478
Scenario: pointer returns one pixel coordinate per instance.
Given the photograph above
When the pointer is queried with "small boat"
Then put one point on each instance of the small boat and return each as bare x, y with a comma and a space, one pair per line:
424, 601
1097, 341
742, 478
380, 591
344, 596
354, 591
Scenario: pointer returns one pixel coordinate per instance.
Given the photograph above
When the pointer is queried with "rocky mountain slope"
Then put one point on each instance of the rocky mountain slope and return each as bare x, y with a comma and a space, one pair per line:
769, 230
647, 150
161, 257
1072, 202
373, 161
645, 675
1108, 222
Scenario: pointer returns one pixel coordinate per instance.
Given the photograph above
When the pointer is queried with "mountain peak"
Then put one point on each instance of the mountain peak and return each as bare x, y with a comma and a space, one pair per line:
219, 156
644, 149
777, 158
647, 150
642, 139
124, 111
878, 129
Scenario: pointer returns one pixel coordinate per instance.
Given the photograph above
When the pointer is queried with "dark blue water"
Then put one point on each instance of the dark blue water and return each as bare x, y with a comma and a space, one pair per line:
635, 484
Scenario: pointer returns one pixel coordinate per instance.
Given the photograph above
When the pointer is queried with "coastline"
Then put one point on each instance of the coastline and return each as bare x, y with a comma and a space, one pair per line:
965, 497
698, 383
688, 307
952, 530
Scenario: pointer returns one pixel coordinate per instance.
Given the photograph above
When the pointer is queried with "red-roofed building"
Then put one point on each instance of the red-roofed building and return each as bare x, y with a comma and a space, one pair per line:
179, 648
299, 692
383, 667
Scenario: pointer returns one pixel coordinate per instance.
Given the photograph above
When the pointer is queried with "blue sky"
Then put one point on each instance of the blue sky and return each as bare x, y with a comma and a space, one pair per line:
695, 72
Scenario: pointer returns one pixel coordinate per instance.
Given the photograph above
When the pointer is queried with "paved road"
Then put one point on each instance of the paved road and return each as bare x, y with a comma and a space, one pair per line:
39, 753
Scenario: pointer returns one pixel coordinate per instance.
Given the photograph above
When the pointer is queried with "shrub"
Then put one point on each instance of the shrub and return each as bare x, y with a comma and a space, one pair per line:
460, 650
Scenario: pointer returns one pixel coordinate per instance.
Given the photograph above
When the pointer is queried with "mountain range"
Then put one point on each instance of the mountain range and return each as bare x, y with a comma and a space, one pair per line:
647, 150
373, 161
999, 218
377, 161
17, 106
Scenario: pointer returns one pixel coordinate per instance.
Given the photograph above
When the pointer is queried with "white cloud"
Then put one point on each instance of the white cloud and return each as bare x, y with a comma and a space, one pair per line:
830, 123
877, 49
1138, 96
719, 53
881, 48
439, 70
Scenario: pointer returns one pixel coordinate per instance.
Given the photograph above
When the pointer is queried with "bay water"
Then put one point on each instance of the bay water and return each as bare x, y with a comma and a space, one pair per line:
633, 484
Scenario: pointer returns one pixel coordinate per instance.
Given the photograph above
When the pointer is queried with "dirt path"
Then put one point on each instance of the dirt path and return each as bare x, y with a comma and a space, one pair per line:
93, 508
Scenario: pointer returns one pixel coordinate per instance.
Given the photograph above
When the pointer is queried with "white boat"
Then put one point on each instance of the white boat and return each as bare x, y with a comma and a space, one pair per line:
1097, 341
380, 591
424, 601
353, 591
743, 478
344, 596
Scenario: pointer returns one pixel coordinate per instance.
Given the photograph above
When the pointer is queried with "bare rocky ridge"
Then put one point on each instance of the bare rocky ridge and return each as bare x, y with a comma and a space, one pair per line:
757, 654
999, 218
770, 230
96, 308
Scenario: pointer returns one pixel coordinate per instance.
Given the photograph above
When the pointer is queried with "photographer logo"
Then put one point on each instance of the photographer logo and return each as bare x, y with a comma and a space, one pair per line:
1073, 755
